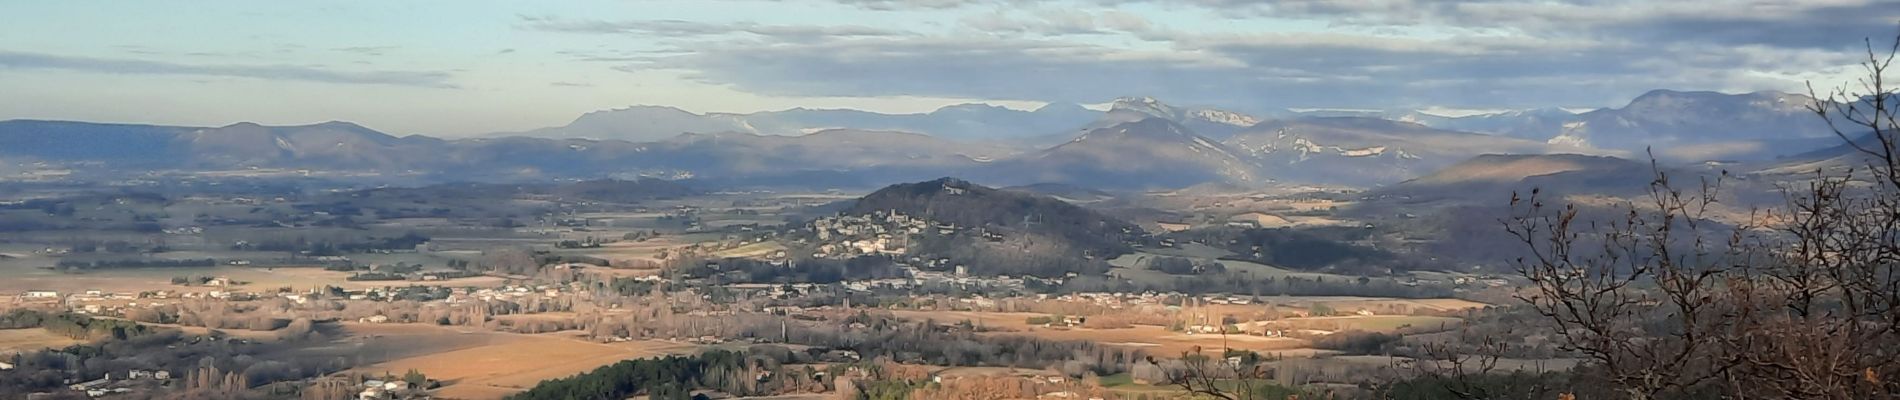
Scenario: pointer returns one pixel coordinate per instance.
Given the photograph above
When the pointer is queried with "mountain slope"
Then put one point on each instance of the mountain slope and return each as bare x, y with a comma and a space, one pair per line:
1670, 118
1367, 151
335, 145
1491, 178
1148, 153
1213, 123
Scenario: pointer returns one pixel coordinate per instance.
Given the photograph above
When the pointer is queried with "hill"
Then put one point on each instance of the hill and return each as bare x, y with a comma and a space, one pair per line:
1838, 157
1026, 229
1489, 179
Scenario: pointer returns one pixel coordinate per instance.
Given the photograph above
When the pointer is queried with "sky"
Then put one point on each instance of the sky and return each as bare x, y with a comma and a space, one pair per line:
471, 67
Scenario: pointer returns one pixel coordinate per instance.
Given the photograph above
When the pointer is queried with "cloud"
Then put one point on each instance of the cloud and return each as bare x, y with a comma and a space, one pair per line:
1258, 71
570, 84
20, 60
365, 50
892, 5
694, 29
1057, 22
1780, 23
1276, 53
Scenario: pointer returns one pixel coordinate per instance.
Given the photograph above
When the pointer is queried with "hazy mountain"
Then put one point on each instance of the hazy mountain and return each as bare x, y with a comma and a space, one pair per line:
1537, 124
1679, 126
643, 123
831, 157
1367, 151
871, 156
1838, 157
332, 145
1148, 153
1666, 118
966, 122
601, 190
1210, 122
329, 145
127, 144
1140, 143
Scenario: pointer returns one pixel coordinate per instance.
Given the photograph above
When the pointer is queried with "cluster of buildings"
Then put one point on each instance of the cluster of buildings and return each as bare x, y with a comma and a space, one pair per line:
110, 385
1116, 300
881, 232
506, 293
386, 390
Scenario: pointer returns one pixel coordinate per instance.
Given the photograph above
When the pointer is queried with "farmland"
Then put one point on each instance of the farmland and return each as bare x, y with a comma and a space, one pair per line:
17, 340
491, 365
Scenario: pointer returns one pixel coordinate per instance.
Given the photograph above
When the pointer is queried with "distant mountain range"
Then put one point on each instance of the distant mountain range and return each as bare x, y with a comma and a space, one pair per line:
1680, 126
1144, 153
1757, 125
964, 122
1138, 143
1370, 151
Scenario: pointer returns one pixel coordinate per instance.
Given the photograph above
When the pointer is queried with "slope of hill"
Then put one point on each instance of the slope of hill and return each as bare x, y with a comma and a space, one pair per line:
1492, 176
1492, 168
1064, 192
1838, 157
1147, 153
1023, 218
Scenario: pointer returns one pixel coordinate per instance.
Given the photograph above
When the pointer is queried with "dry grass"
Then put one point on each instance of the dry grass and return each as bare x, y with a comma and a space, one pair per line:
751, 250
504, 364
1369, 323
20, 340
1153, 339
135, 280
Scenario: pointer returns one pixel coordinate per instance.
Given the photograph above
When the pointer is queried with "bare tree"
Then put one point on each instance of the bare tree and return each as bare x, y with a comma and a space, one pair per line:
1799, 301
1209, 376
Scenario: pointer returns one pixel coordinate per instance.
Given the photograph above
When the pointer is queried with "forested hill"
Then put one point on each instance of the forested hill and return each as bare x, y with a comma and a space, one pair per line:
968, 205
